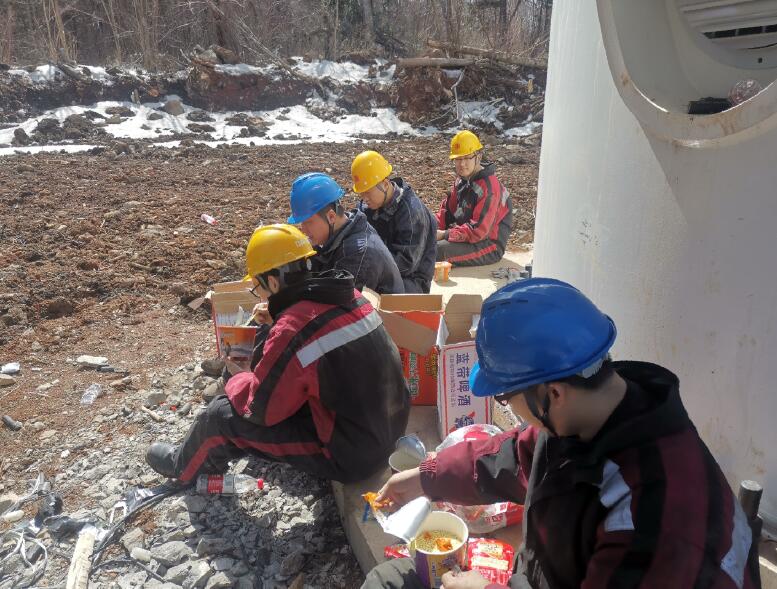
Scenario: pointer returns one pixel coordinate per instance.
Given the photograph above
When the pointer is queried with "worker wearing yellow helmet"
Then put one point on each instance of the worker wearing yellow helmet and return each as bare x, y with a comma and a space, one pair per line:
475, 220
401, 220
305, 401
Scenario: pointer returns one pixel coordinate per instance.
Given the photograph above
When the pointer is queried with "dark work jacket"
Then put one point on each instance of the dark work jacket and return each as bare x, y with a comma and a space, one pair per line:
358, 249
409, 231
327, 357
643, 504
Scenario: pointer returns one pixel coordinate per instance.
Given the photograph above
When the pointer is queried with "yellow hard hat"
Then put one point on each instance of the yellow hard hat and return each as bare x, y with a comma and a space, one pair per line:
368, 168
464, 143
273, 246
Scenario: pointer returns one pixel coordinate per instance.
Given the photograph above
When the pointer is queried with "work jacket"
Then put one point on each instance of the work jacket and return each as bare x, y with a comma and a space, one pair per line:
409, 231
358, 249
475, 208
644, 504
328, 356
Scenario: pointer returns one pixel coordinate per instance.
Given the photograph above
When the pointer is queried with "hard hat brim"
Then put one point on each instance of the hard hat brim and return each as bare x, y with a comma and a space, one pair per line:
481, 386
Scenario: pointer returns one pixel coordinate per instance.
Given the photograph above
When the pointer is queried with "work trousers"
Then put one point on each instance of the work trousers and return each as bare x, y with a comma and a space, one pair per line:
394, 574
220, 434
482, 253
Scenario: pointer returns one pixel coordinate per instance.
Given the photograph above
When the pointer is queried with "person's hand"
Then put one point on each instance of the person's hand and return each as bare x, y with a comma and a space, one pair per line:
465, 580
261, 315
402, 487
440, 235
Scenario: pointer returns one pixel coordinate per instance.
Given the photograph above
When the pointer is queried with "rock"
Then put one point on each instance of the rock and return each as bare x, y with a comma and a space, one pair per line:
59, 307
154, 398
14, 316
114, 120
222, 564
210, 545
171, 553
120, 111
91, 361
7, 500
239, 569
121, 383
36, 346
202, 382
178, 573
173, 107
47, 435
214, 389
196, 503
132, 580
292, 564
184, 410
198, 575
6, 380
200, 116
135, 538
141, 554
20, 138
248, 582
213, 367
219, 581
201, 128
47, 126
155, 116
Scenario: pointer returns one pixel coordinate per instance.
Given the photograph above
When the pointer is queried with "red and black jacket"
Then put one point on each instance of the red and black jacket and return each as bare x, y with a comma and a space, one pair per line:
475, 208
644, 504
327, 353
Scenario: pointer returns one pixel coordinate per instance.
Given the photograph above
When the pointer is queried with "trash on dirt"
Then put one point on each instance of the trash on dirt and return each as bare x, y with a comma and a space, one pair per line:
11, 368
208, 219
92, 361
11, 423
91, 394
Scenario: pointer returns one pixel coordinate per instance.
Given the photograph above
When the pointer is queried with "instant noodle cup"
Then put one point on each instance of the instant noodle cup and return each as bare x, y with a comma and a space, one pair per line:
439, 546
441, 271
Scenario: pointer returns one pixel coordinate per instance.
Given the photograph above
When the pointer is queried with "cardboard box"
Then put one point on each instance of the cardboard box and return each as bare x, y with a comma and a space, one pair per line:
456, 405
234, 343
413, 322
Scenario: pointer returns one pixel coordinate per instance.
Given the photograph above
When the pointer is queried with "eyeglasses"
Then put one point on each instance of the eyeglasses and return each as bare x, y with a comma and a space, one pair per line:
466, 158
505, 398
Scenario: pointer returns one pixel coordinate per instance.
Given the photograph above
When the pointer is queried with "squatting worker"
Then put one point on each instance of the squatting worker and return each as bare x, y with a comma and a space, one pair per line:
476, 218
402, 221
327, 395
343, 240
618, 488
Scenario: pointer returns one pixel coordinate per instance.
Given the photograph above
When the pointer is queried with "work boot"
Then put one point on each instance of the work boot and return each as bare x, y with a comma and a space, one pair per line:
161, 457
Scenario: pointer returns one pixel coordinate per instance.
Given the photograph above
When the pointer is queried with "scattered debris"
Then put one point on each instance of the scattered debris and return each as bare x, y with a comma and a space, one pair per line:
11, 423
92, 361
91, 394
11, 368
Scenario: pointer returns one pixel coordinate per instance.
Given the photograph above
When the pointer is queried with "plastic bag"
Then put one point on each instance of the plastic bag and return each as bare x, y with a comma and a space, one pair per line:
480, 519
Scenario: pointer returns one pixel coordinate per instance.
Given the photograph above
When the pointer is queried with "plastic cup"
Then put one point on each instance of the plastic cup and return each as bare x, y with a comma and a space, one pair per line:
430, 567
401, 460
442, 271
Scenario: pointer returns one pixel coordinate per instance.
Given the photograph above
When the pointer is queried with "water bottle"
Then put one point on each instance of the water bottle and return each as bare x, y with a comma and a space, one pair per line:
227, 484
90, 394
208, 219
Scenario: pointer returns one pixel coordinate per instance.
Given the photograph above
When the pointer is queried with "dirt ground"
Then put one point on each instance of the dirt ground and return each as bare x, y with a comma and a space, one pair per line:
99, 251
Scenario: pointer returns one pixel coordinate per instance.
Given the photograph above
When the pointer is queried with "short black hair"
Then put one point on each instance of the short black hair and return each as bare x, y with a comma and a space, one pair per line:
297, 272
333, 206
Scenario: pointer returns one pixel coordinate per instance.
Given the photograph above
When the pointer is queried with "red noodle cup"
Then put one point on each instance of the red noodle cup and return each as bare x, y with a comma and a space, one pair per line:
430, 567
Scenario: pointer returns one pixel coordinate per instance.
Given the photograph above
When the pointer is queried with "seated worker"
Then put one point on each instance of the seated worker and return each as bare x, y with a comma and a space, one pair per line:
343, 241
327, 395
476, 218
618, 488
403, 222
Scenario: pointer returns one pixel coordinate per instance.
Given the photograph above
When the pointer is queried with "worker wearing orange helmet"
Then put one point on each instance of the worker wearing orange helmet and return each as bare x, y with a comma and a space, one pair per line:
402, 221
306, 402
476, 218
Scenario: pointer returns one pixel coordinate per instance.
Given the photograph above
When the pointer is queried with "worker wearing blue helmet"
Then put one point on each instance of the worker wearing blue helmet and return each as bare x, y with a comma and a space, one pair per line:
343, 240
617, 486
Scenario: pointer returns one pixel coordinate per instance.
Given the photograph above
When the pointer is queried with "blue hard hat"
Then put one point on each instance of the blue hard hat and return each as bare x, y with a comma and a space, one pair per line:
535, 331
310, 193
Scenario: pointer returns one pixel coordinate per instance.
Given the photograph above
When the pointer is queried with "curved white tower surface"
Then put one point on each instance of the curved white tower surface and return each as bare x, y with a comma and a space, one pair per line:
668, 221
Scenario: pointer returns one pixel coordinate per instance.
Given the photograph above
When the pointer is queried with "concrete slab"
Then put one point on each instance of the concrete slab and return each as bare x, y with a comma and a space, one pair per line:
367, 539
478, 279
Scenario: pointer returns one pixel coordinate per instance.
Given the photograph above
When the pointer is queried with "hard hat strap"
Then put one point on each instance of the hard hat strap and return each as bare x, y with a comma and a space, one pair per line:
543, 417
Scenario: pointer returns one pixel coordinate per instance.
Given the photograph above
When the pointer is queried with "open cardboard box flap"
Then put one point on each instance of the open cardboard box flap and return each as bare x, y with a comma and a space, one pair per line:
405, 332
456, 323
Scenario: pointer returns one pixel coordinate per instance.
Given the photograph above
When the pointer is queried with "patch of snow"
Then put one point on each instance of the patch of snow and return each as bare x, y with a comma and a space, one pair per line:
240, 69
524, 130
4, 151
342, 71
99, 74
479, 111
41, 74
